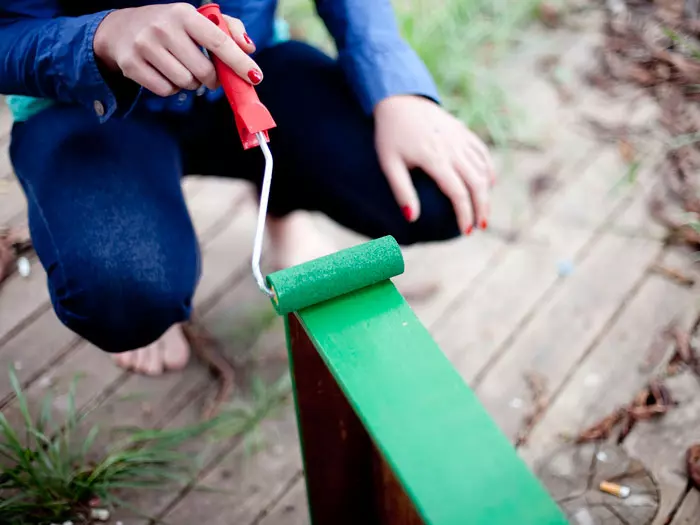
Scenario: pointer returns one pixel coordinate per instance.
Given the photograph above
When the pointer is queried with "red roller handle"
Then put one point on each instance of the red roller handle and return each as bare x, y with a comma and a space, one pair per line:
250, 114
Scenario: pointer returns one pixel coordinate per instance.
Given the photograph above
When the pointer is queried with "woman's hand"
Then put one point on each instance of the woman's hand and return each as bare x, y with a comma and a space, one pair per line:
157, 47
414, 132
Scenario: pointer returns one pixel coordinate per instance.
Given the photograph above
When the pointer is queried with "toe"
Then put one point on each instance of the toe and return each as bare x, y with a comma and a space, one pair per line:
153, 360
125, 360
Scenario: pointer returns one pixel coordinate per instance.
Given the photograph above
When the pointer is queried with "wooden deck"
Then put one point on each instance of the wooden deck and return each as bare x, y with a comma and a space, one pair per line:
561, 285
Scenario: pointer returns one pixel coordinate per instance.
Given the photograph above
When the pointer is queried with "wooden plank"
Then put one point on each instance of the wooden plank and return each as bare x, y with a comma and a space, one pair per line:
565, 326
348, 481
661, 445
477, 327
245, 482
613, 372
419, 412
292, 509
241, 321
688, 513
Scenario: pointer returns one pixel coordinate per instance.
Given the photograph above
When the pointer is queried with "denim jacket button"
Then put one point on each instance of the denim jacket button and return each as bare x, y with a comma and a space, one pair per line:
99, 108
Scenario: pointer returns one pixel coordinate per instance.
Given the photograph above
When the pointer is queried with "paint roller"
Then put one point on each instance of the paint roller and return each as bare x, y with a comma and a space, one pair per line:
321, 279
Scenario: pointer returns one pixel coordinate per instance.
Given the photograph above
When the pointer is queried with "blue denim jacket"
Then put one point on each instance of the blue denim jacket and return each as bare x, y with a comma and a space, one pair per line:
46, 52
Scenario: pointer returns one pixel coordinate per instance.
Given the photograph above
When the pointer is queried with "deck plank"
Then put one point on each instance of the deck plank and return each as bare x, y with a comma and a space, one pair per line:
565, 326
689, 511
292, 509
493, 310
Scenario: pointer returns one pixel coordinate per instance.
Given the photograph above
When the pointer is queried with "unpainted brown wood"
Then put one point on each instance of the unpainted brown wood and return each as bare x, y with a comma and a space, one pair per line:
564, 327
347, 480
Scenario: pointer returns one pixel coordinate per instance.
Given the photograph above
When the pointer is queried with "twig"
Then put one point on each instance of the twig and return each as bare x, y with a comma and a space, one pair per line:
537, 386
207, 348
674, 275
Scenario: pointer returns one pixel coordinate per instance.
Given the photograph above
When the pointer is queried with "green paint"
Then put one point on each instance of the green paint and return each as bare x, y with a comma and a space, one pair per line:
336, 274
454, 463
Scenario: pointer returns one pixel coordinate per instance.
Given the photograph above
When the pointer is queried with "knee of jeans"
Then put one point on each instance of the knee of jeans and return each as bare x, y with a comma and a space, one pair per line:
126, 308
437, 221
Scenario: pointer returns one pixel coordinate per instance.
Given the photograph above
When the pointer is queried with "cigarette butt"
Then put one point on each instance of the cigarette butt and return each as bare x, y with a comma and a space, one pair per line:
621, 491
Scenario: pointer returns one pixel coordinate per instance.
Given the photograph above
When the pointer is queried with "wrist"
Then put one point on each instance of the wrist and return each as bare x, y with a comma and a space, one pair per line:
101, 43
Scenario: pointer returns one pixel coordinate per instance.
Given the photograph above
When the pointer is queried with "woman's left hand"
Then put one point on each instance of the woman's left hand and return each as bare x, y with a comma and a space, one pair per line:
414, 132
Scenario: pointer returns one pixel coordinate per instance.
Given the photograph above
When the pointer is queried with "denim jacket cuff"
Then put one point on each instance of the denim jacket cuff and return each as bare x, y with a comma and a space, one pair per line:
105, 94
377, 73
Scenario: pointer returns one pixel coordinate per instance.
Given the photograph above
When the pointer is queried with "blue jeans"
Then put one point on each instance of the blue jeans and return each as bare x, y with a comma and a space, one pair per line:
107, 214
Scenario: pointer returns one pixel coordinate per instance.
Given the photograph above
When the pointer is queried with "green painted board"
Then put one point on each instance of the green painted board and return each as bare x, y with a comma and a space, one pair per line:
451, 458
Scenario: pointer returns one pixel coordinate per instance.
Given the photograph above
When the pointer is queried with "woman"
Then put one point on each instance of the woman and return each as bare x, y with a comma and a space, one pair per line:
114, 101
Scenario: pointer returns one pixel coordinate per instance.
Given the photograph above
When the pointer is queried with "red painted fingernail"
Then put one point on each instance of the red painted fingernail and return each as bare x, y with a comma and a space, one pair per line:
483, 224
255, 76
247, 38
407, 212
469, 229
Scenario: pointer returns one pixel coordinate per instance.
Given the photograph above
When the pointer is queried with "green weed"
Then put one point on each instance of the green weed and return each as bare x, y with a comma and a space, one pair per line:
51, 471
459, 41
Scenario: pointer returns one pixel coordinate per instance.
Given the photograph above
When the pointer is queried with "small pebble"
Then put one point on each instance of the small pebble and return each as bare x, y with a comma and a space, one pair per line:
516, 403
18, 365
45, 382
602, 456
565, 267
99, 514
24, 267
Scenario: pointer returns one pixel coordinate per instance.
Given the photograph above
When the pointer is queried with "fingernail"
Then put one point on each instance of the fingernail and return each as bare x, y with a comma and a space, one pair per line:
247, 38
469, 229
407, 212
255, 76
483, 224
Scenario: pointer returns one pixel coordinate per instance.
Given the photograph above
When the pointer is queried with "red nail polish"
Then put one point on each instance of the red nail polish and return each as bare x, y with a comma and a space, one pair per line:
483, 224
469, 229
247, 38
255, 76
407, 212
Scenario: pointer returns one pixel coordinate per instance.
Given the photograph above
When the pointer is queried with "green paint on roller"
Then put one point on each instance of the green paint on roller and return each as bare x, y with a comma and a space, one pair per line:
334, 275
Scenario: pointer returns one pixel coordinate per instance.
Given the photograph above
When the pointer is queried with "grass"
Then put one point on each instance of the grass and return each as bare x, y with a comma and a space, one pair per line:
459, 41
51, 470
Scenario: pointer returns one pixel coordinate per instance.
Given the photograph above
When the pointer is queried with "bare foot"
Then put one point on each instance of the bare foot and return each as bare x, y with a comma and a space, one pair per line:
295, 239
170, 352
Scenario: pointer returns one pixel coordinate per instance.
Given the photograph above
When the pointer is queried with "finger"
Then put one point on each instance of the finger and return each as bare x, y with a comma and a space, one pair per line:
452, 185
478, 185
149, 77
209, 36
483, 152
170, 67
401, 185
239, 34
192, 58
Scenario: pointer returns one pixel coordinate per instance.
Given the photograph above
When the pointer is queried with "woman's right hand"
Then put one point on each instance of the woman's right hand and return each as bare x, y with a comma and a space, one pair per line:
157, 47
